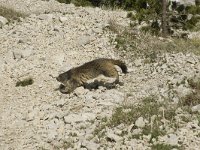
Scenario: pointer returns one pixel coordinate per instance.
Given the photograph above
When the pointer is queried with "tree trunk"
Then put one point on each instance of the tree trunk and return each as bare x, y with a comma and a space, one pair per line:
164, 17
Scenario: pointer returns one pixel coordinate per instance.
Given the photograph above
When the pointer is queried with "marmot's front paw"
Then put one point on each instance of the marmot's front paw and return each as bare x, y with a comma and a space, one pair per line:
63, 89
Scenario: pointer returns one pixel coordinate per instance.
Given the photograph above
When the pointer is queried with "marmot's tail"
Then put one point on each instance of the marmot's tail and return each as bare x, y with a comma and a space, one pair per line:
121, 64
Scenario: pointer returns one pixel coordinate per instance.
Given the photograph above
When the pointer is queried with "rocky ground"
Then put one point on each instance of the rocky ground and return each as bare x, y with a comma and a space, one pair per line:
54, 38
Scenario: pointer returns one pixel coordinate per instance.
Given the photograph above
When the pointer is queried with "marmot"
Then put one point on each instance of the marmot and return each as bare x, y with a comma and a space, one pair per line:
78, 76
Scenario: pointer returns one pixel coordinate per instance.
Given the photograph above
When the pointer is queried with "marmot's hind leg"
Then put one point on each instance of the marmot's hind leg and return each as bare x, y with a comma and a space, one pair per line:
112, 73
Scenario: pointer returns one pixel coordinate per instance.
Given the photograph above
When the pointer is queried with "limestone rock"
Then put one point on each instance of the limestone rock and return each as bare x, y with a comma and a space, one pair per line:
23, 53
140, 122
183, 91
63, 19
138, 62
47, 17
83, 40
172, 139
89, 145
74, 118
3, 21
114, 137
196, 108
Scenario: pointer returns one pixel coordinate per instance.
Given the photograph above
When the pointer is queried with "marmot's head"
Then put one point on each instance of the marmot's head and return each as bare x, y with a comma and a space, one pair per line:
64, 77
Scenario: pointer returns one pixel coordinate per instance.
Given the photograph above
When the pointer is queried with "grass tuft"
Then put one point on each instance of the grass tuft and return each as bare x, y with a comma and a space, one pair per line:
193, 98
164, 147
127, 115
133, 45
25, 82
11, 14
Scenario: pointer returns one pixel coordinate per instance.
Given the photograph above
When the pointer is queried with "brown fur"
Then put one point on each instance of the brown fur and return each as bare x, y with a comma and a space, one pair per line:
78, 76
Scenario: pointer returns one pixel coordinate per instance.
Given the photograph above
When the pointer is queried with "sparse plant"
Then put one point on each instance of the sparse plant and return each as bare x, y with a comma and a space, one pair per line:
114, 27
11, 14
81, 3
198, 118
127, 115
82, 127
67, 145
143, 45
77, 2
25, 82
99, 130
129, 14
73, 134
185, 118
191, 99
163, 146
64, 1
194, 84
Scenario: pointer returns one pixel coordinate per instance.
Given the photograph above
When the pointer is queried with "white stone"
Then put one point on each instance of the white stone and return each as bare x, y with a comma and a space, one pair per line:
191, 60
114, 137
71, 5
196, 108
80, 91
83, 40
140, 122
61, 102
30, 117
136, 131
47, 17
74, 118
63, 19
18, 54
138, 62
172, 139
185, 2
3, 21
89, 145
189, 17
183, 91
59, 58
51, 135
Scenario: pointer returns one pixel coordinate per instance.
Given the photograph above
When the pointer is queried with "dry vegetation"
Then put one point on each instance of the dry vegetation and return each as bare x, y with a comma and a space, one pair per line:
193, 98
25, 82
160, 115
150, 109
11, 14
144, 45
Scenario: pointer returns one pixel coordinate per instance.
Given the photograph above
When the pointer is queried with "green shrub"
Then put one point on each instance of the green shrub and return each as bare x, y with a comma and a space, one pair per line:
191, 24
129, 14
193, 10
